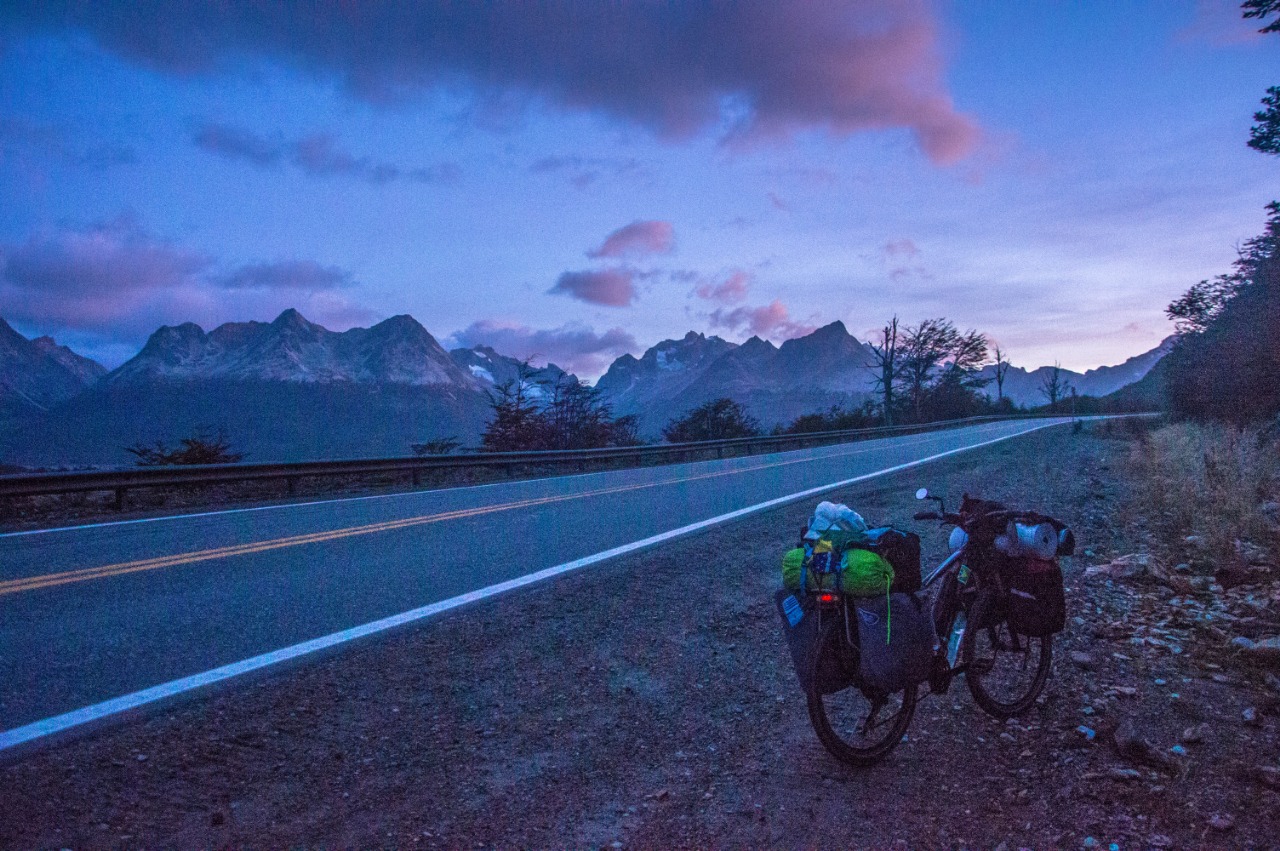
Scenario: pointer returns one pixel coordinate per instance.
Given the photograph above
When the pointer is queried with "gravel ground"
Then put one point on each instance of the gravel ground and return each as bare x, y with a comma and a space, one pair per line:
649, 702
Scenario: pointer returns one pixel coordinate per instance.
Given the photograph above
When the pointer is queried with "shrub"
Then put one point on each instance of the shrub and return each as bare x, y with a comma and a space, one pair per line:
437, 446
198, 449
717, 420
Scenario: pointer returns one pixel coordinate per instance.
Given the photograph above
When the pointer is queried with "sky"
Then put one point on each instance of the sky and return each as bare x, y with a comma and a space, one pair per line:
570, 181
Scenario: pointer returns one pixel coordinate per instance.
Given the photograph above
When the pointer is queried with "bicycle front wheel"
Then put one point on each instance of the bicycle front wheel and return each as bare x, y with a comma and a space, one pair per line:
1005, 671
854, 726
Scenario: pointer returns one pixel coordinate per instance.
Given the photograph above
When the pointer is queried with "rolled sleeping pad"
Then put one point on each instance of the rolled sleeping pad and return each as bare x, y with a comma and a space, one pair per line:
1036, 541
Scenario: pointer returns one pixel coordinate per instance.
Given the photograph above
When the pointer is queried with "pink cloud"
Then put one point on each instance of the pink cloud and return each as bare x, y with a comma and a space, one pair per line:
637, 238
773, 69
93, 277
575, 348
732, 289
772, 321
608, 287
118, 282
1219, 23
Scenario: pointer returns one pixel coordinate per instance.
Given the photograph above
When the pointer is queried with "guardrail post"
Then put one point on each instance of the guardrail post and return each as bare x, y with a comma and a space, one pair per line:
122, 499
417, 477
291, 484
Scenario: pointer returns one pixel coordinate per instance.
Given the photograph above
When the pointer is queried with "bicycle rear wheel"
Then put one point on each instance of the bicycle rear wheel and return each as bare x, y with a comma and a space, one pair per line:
1005, 671
855, 727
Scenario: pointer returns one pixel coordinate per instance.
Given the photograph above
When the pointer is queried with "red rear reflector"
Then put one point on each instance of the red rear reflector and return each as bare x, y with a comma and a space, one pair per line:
826, 598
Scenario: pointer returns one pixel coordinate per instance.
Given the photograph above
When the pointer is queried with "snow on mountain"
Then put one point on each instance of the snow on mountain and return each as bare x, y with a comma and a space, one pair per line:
662, 373
494, 370
291, 349
776, 384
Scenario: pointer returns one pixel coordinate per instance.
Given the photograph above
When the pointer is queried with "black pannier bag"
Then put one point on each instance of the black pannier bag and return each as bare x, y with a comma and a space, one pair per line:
895, 641
1037, 601
894, 637
902, 551
799, 615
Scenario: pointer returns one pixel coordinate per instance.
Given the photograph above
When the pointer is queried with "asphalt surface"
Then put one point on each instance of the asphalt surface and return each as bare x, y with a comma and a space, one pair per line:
95, 612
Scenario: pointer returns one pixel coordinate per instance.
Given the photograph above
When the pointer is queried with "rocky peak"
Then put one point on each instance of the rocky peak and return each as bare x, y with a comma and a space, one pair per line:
35, 374
292, 349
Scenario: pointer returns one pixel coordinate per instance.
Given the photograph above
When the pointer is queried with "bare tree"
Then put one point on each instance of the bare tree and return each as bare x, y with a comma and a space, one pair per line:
884, 362
576, 417
969, 355
924, 348
1002, 366
1054, 386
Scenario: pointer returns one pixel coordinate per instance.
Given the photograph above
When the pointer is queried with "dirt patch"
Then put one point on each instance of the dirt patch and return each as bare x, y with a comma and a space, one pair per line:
650, 702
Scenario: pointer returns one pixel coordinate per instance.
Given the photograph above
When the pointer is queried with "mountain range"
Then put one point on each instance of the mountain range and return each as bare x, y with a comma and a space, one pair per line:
38, 374
293, 390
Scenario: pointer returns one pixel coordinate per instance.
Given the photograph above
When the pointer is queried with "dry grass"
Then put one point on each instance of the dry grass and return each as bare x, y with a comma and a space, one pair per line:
1206, 480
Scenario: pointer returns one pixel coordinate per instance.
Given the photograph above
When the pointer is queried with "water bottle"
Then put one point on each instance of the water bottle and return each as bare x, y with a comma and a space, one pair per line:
953, 644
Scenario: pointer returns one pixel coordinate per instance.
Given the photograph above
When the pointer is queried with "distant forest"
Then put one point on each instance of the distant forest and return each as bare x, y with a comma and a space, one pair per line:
1226, 362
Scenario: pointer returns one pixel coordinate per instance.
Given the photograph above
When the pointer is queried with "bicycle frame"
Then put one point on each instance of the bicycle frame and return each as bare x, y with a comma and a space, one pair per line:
942, 568
951, 565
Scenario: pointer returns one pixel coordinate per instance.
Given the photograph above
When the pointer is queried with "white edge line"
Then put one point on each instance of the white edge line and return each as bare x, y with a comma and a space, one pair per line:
398, 495
124, 703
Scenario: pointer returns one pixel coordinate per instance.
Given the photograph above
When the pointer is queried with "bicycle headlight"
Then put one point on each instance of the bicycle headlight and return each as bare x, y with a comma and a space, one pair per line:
959, 538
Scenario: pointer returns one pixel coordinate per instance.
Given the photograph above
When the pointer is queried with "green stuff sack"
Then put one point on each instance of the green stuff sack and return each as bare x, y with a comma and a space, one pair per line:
796, 569
792, 568
866, 574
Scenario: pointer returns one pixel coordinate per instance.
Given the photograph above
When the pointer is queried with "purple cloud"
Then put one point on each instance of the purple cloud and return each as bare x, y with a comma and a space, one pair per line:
901, 248
637, 238
772, 321
236, 143
772, 69
319, 155
304, 275
732, 289
20, 138
584, 171
575, 348
608, 287
92, 277
118, 282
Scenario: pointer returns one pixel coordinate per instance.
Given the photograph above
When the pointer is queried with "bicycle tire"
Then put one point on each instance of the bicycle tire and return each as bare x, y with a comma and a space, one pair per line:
830, 714
1001, 640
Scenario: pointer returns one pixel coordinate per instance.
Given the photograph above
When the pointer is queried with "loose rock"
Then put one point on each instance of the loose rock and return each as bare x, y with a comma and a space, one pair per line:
1082, 659
1195, 735
1221, 822
1134, 748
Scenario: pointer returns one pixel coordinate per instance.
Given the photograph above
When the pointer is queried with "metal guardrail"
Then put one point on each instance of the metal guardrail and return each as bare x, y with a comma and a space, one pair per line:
121, 481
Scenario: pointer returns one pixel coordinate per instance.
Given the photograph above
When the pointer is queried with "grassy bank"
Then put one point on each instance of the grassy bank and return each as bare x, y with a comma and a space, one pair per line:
1217, 483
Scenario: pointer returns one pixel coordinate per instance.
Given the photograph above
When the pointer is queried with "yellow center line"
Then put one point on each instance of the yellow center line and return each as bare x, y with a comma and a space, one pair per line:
48, 580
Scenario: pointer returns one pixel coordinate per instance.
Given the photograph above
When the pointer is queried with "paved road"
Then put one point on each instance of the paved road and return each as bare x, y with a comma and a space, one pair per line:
91, 613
